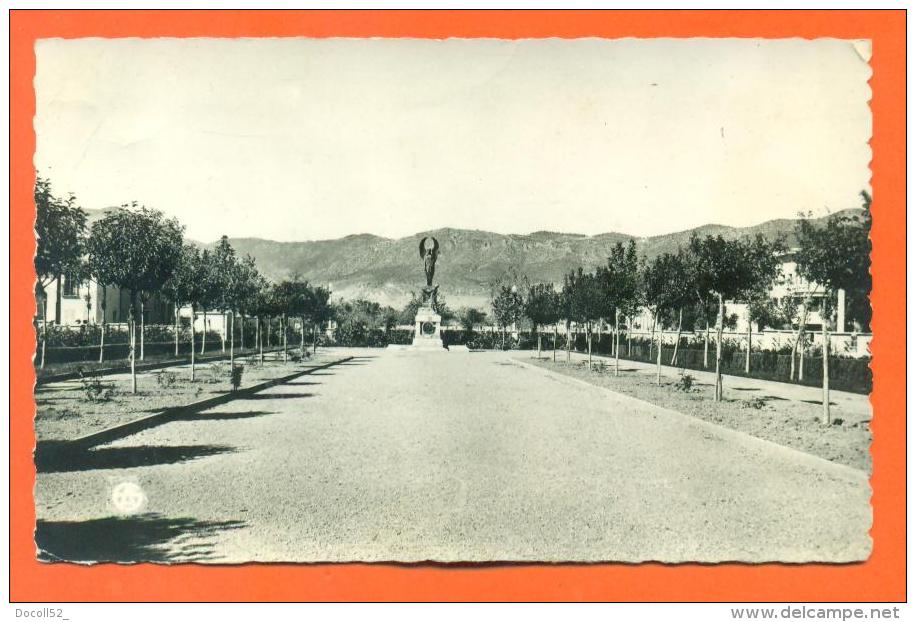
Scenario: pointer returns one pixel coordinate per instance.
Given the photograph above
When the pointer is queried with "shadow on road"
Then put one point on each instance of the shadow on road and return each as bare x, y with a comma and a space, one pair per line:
56, 457
146, 538
275, 396
219, 416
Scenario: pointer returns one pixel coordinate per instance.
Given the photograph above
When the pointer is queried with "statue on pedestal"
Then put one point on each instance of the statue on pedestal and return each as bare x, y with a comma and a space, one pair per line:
428, 323
429, 254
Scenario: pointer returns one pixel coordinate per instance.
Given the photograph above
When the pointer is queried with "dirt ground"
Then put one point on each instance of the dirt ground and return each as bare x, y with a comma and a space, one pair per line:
64, 411
451, 457
794, 423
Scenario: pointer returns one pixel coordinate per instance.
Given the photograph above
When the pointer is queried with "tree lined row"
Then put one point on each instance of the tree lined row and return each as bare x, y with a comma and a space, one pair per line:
696, 281
139, 251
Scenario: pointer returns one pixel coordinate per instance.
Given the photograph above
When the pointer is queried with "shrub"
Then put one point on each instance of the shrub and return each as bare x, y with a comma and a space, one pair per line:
685, 383
94, 389
166, 379
237, 371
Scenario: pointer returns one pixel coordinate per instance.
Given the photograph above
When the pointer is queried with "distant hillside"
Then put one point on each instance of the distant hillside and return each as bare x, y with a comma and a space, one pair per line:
388, 270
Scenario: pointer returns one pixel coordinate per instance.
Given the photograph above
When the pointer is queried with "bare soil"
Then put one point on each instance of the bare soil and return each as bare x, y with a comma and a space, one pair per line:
65, 410
794, 423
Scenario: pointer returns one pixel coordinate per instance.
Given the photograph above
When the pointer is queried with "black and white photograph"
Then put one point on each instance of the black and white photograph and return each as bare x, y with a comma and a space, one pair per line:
455, 301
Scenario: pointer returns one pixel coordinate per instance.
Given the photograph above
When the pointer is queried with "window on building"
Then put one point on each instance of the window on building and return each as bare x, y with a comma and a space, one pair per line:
71, 287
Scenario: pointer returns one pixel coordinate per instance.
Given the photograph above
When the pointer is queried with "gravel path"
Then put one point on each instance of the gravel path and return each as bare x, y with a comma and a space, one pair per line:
451, 457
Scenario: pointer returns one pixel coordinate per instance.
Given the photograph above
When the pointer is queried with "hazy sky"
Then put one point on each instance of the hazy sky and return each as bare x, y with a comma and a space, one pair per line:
296, 139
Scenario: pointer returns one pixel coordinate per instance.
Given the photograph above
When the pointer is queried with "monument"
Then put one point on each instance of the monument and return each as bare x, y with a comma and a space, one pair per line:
428, 323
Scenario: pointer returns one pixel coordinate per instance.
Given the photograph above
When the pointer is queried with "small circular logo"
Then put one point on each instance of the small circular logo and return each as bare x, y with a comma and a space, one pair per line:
128, 498
429, 328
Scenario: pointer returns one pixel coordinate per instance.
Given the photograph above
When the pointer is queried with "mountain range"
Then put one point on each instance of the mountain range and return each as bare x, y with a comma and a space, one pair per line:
388, 270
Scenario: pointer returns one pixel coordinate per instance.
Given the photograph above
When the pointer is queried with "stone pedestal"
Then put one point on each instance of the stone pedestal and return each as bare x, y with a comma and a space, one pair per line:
428, 329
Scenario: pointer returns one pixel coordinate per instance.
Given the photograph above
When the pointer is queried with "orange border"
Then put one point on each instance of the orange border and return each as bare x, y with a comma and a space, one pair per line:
881, 578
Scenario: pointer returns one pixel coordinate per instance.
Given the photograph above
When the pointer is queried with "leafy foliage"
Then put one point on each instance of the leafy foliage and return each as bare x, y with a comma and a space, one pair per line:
507, 306
470, 318
838, 256
60, 225
136, 249
542, 304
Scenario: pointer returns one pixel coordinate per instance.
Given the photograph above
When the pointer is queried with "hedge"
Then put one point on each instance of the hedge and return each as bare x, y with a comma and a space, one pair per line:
846, 374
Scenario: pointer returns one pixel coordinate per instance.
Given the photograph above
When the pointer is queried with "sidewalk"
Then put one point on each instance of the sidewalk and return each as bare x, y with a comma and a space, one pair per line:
853, 403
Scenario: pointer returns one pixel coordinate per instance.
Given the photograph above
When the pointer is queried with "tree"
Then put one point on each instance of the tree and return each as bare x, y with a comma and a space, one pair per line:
282, 299
507, 307
665, 288
620, 280
728, 270
187, 286
542, 307
583, 302
97, 271
139, 249
321, 310
210, 291
60, 227
181, 283
836, 256
248, 282
260, 305
226, 274
763, 269
470, 318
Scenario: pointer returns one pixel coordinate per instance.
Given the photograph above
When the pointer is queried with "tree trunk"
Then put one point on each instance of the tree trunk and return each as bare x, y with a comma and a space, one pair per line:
102, 339
652, 336
747, 358
142, 329
554, 342
658, 355
57, 296
539, 342
193, 345
706, 347
203, 337
588, 339
242, 334
44, 328
825, 351
176, 329
630, 336
315, 343
267, 330
799, 346
677, 342
231, 339
259, 337
133, 343
567, 343
801, 358
285, 344
223, 331
719, 328
616, 342
302, 337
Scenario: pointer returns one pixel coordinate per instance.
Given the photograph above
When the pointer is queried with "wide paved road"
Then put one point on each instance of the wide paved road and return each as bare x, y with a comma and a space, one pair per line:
450, 457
